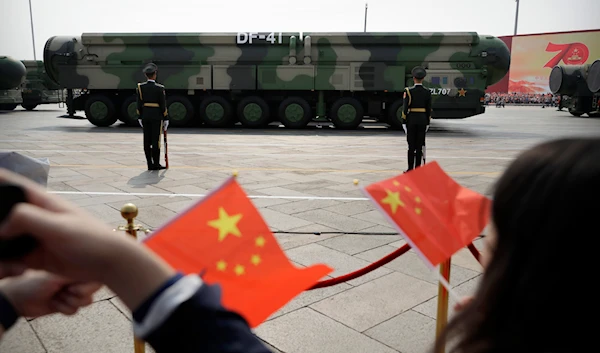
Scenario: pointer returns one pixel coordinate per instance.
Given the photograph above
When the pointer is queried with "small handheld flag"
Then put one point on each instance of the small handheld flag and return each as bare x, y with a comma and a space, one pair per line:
225, 236
436, 215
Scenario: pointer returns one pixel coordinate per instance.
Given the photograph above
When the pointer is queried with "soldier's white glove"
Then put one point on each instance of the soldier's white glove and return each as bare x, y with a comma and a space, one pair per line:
427, 128
404, 127
140, 121
166, 125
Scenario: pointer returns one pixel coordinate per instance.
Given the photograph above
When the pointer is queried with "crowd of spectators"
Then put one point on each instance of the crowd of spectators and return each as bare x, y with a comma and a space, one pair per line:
543, 99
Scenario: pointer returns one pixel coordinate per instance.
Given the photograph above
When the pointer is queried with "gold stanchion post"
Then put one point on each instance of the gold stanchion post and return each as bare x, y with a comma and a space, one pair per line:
442, 309
129, 211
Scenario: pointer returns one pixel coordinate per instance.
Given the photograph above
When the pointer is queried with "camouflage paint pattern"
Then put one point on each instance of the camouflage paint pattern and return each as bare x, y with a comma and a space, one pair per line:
321, 73
12, 76
38, 87
581, 83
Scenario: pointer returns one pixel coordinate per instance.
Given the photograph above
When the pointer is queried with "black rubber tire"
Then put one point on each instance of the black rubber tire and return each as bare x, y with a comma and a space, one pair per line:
128, 114
100, 110
265, 114
306, 113
216, 105
29, 107
395, 114
175, 106
8, 106
335, 112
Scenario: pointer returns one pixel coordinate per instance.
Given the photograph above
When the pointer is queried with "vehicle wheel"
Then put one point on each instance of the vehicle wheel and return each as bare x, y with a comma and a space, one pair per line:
181, 111
395, 114
128, 111
216, 111
100, 110
346, 113
575, 113
294, 112
29, 107
8, 106
253, 112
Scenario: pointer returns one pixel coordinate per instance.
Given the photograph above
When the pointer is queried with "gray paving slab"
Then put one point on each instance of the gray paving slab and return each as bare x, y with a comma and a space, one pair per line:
341, 263
297, 239
298, 206
281, 221
309, 297
429, 308
408, 332
97, 328
350, 208
335, 220
21, 339
319, 333
375, 301
356, 243
411, 264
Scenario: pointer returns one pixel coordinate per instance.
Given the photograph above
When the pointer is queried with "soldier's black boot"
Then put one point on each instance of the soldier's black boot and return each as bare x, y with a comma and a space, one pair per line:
411, 160
156, 159
419, 158
148, 153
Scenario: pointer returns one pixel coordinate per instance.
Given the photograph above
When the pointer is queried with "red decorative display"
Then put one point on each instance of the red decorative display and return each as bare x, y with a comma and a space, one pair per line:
570, 54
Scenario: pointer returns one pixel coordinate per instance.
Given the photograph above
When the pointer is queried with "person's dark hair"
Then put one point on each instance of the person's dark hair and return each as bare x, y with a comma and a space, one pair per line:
540, 282
150, 75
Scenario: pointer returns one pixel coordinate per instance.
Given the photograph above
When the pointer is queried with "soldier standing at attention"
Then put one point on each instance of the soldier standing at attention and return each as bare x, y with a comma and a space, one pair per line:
152, 110
416, 113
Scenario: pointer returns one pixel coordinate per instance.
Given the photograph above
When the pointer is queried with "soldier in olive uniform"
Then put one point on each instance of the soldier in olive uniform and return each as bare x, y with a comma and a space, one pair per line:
152, 112
416, 113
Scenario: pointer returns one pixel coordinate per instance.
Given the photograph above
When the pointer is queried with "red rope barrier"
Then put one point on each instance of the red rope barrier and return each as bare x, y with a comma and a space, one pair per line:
375, 265
475, 252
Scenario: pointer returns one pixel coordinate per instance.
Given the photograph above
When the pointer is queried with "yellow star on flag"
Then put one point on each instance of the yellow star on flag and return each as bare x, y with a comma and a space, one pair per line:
239, 270
393, 199
260, 241
226, 224
221, 265
255, 260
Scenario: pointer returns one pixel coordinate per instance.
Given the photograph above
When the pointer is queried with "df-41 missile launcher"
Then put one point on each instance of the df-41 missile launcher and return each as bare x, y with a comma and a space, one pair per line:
256, 78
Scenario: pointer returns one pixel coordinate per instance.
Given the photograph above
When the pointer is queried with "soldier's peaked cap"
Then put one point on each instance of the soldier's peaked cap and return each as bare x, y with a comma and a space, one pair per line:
150, 68
418, 72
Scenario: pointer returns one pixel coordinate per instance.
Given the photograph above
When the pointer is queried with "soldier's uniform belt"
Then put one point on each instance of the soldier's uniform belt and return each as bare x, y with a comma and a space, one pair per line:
154, 105
417, 110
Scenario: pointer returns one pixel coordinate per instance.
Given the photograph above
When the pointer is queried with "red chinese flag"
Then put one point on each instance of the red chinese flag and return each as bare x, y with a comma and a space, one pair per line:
225, 236
437, 215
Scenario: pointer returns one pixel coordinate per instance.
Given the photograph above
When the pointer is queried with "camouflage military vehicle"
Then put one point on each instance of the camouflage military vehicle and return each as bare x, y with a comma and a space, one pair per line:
12, 76
256, 78
581, 83
38, 87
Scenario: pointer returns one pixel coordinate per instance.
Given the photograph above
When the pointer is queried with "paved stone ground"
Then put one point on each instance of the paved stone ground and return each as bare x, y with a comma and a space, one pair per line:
302, 182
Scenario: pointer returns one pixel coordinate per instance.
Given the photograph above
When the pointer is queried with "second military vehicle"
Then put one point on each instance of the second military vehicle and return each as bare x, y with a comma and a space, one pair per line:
12, 76
294, 78
581, 83
38, 88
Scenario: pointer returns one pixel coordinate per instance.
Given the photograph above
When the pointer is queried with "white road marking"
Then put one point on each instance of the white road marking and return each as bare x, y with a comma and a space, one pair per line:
291, 144
282, 154
100, 193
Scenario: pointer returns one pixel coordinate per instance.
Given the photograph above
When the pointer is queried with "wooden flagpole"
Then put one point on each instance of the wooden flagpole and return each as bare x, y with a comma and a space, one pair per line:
442, 309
